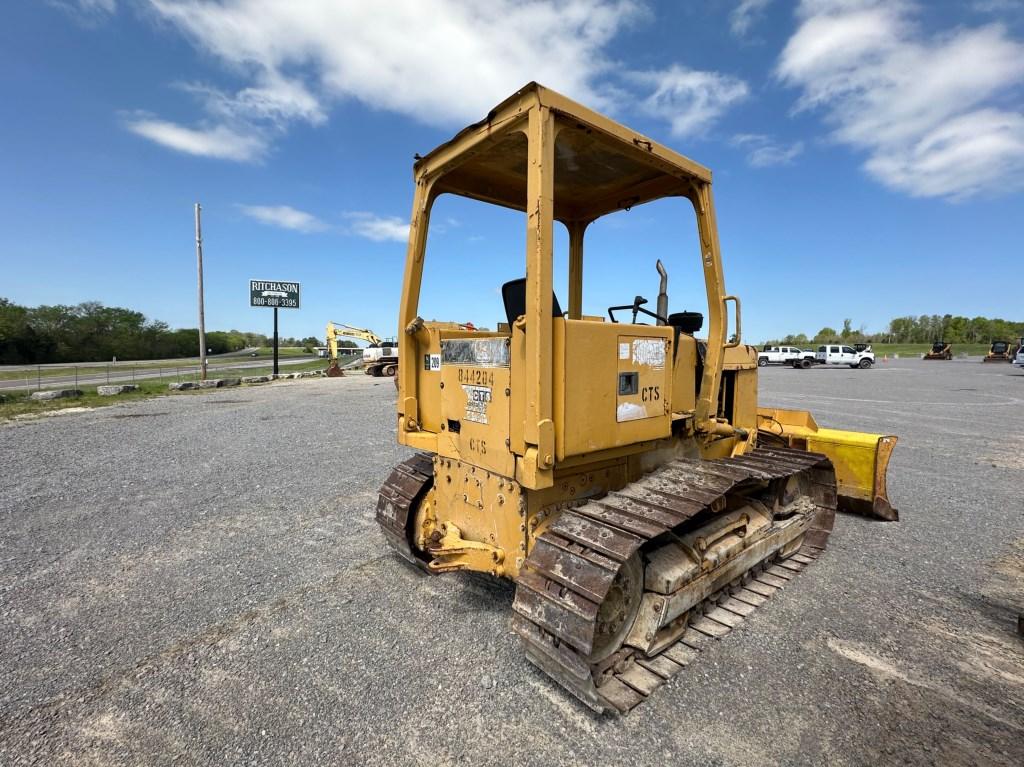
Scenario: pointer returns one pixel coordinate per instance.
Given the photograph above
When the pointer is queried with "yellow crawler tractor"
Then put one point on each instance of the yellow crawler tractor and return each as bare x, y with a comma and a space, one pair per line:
619, 472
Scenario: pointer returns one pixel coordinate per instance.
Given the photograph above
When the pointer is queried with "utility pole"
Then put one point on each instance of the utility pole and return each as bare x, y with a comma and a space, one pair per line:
202, 314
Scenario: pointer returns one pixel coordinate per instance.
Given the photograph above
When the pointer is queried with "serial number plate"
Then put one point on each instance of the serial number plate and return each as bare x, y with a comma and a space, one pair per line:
476, 376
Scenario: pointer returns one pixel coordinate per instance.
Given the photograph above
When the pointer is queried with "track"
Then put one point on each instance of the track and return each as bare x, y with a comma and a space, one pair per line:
574, 565
406, 484
579, 563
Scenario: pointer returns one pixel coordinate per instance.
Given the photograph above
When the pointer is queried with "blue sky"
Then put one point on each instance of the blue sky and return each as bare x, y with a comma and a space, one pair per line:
868, 156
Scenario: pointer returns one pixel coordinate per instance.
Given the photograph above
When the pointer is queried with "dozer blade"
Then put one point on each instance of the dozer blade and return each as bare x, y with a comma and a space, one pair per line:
861, 460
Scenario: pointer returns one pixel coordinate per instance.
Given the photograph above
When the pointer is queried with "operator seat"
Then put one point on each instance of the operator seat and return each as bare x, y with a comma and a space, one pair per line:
513, 294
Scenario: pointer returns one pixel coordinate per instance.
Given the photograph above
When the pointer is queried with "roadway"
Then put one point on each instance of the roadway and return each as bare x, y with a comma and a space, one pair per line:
199, 580
122, 372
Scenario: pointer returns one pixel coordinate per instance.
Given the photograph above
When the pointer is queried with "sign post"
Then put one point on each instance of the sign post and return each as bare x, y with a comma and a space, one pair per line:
202, 314
276, 294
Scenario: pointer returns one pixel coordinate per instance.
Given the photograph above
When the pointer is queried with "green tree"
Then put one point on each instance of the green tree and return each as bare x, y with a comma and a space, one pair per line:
826, 335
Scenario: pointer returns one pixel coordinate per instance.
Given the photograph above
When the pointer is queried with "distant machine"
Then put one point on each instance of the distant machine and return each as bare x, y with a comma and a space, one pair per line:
1000, 351
380, 358
940, 351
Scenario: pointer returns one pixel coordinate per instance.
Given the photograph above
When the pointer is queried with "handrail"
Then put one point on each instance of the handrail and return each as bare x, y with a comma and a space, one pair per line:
739, 327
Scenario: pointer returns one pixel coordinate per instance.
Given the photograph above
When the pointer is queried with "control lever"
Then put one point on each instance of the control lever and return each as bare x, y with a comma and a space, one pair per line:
635, 306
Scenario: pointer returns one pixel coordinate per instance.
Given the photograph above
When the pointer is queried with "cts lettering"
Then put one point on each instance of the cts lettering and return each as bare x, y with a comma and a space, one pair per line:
650, 394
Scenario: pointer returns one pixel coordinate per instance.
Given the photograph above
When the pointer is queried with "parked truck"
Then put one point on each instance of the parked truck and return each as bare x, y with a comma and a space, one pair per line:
781, 355
839, 354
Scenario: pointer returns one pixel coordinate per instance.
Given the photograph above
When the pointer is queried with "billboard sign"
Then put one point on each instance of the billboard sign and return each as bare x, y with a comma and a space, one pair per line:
275, 294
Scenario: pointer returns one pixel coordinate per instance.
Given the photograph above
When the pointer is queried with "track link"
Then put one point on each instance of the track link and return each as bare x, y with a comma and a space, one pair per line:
574, 563
403, 489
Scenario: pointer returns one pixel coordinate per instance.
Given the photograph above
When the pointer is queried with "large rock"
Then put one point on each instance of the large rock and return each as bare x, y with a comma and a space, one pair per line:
255, 379
40, 396
230, 381
112, 389
183, 386
213, 383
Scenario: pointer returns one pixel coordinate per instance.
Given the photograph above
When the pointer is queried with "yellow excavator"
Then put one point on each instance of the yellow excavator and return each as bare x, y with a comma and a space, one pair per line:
618, 469
380, 358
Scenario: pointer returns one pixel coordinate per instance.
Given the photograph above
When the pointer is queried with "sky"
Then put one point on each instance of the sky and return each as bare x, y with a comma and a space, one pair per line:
868, 156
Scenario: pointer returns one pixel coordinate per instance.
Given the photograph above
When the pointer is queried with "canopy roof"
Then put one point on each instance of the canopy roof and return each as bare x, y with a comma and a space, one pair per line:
600, 166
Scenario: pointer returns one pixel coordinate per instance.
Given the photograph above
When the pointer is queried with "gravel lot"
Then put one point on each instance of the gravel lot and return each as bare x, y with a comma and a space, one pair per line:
199, 580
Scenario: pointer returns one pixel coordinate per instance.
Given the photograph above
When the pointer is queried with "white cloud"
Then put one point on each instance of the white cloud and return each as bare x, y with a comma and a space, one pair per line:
284, 216
745, 14
998, 6
377, 228
928, 111
220, 141
275, 100
86, 12
440, 62
763, 151
413, 58
88, 6
690, 100
238, 126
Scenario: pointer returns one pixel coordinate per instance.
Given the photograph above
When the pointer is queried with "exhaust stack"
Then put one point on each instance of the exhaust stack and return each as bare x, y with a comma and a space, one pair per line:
662, 309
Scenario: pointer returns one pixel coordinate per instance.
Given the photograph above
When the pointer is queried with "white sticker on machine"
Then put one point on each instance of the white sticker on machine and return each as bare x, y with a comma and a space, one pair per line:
624, 351
435, 362
477, 400
629, 411
649, 351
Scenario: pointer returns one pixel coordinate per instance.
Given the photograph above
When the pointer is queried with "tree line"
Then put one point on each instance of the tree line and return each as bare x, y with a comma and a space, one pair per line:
927, 328
92, 332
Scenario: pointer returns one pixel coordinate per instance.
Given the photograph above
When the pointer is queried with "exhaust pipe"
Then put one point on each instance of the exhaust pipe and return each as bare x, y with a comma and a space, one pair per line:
662, 295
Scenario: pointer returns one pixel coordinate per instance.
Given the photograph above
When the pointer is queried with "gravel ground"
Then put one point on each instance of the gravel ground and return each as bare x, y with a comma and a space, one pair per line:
199, 580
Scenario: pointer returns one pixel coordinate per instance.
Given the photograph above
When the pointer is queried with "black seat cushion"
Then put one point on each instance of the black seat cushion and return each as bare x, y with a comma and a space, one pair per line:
513, 294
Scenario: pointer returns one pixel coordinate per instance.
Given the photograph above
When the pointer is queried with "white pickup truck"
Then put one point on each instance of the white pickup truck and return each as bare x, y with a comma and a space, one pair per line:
838, 354
1018, 361
781, 355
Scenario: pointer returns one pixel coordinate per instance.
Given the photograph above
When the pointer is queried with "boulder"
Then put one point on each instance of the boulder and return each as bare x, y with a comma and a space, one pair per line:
213, 383
255, 379
112, 389
230, 381
183, 386
40, 396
